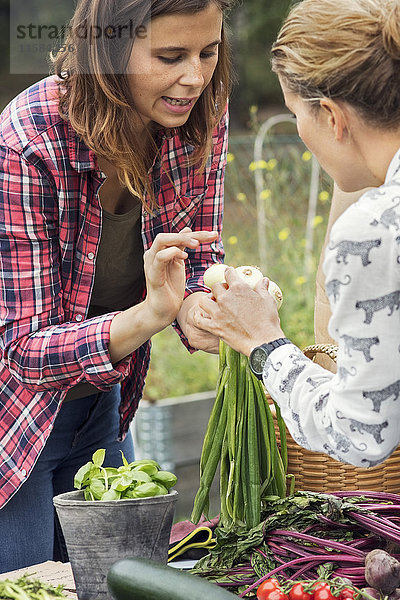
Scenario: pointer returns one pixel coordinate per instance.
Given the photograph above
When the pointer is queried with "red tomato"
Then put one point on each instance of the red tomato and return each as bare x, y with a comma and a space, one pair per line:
276, 594
322, 591
270, 590
266, 587
346, 593
297, 593
320, 584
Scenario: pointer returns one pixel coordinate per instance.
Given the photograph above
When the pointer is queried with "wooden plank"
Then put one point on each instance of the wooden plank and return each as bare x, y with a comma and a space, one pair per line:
54, 573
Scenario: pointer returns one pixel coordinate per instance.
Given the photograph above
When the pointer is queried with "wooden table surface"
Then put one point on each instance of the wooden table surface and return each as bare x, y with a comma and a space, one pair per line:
55, 573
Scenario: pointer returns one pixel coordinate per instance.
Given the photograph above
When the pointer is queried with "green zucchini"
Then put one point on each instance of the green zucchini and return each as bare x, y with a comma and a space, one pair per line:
140, 579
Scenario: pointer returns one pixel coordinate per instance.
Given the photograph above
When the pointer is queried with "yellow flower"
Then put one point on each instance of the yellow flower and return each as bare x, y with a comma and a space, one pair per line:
230, 157
232, 240
271, 164
253, 109
300, 280
317, 220
265, 194
306, 156
258, 164
323, 196
284, 234
241, 197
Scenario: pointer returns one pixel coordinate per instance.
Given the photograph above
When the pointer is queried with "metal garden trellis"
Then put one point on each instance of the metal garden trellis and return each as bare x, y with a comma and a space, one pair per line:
263, 132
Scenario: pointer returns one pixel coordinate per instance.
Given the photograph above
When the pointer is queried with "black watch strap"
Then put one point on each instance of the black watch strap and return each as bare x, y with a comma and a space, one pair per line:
259, 354
275, 344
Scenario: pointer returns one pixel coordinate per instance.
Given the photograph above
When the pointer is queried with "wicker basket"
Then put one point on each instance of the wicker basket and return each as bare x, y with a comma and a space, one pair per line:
317, 472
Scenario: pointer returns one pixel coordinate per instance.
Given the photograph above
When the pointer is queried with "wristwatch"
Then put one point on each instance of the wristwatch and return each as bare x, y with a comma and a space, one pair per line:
259, 354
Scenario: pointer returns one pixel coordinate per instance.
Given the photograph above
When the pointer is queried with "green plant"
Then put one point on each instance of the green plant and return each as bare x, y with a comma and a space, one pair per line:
29, 588
138, 479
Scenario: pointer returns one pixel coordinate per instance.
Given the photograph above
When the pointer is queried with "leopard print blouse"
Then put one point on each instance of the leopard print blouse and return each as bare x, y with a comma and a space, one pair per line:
353, 415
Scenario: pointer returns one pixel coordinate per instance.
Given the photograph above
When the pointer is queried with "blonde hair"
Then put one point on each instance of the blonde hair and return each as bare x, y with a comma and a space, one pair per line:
344, 49
94, 89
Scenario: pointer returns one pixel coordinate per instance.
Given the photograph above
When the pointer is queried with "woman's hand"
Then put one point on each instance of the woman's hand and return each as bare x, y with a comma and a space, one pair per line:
242, 317
164, 267
198, 338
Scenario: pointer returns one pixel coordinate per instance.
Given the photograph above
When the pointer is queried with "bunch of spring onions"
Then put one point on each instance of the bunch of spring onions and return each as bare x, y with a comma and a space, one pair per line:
241, 437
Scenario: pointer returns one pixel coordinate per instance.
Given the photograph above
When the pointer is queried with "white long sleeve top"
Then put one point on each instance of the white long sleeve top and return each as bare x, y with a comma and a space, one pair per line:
353, 415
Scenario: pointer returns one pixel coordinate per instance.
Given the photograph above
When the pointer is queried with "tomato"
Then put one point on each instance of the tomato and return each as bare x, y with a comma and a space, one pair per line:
347, 593
266, 587
276, 594
297, 593
322, 591
270, 590
320, 584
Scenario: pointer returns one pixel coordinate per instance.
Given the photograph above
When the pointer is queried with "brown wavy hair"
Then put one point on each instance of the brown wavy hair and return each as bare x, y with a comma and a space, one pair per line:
344, 49
94, 89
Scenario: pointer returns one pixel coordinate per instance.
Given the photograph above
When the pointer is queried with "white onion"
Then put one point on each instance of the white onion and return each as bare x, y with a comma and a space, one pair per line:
249, 274
214, 274
276, 293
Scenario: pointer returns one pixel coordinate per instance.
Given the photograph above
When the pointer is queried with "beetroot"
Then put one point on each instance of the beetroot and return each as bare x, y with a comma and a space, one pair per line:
371, 592
382, 571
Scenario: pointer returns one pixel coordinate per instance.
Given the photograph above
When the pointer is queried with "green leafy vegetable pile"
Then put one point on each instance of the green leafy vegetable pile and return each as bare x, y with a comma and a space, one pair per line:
138, 479
28, 588
301, 534
241, 435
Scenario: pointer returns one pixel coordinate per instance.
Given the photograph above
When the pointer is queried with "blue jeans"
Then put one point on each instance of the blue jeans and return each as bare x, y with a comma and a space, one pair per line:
29, 531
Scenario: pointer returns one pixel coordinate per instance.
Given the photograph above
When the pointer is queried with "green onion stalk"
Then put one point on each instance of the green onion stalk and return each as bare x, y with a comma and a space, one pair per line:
241, 438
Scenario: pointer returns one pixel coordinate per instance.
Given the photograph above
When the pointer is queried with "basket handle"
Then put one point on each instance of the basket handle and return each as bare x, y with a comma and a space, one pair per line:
329, 349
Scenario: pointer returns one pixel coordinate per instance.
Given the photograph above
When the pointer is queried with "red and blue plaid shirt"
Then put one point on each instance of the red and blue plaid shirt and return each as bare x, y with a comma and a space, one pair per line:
50, 227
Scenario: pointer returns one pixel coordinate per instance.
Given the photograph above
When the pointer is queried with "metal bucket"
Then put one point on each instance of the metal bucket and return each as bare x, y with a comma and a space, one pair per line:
98, 533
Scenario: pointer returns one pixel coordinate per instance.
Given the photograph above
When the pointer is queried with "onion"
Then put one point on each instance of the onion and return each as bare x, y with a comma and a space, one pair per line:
252, 275
276, 293
249, 274
214, 274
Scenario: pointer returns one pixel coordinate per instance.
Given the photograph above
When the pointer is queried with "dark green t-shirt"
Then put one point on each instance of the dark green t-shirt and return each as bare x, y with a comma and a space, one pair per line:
119, 275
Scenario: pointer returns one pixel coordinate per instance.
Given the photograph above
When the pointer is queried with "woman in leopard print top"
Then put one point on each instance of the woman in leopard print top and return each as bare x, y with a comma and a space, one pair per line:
338, 62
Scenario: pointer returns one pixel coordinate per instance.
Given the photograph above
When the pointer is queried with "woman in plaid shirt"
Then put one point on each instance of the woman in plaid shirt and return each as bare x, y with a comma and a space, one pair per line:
124, 146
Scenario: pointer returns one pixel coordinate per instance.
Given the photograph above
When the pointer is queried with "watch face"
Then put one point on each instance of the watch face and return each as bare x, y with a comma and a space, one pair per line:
258, 360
